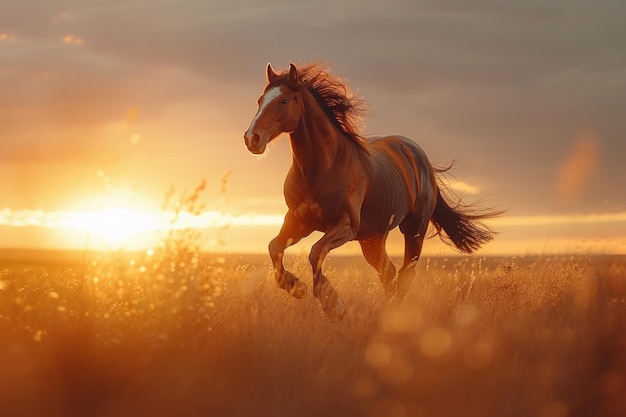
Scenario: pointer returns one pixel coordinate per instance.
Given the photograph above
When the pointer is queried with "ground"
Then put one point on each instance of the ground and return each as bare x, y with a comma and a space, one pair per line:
176, 332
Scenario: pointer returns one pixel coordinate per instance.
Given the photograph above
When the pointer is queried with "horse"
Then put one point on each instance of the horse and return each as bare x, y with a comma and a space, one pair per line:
351, 187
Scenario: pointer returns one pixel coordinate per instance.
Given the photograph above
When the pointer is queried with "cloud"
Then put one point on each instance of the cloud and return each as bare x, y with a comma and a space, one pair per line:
577, 167
559, 219
74, 40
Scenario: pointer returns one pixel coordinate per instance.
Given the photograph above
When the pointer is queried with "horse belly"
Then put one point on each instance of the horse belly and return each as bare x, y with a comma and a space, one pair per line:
388, 200
381, 214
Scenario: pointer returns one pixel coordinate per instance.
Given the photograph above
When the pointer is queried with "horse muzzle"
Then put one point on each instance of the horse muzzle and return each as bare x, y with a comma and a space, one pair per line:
255, 143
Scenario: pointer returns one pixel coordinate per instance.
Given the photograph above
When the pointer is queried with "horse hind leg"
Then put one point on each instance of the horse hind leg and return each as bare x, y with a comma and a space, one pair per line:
376, 255
414, 231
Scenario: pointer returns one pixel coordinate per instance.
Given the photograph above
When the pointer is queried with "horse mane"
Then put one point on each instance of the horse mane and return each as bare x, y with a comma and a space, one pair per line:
334, 97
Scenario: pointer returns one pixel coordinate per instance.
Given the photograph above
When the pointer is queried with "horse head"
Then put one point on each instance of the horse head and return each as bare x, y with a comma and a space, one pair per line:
279, 110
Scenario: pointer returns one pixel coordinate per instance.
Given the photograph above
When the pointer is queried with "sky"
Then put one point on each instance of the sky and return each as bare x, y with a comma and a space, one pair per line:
108, 105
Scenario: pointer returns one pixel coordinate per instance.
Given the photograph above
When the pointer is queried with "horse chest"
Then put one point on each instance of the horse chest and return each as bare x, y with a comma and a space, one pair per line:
318, 204
309, 211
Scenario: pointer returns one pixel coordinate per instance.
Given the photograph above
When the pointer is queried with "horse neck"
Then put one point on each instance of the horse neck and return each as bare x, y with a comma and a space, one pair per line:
316, 142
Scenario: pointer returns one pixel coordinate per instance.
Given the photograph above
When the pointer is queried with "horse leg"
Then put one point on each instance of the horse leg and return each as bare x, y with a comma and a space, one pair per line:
376, 255
290, 233
331, 303
414, 231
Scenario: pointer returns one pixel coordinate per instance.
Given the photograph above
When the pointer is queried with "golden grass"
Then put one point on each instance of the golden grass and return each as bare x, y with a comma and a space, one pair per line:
183, 333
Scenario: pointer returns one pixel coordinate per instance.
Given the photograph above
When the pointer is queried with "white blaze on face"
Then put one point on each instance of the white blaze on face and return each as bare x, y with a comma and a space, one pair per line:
267, 98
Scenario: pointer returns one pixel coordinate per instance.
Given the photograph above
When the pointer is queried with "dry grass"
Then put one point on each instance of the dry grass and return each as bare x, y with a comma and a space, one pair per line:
180, 333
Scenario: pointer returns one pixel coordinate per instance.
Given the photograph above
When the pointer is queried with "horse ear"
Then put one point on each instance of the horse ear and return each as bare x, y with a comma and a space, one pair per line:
271, 75
293, 73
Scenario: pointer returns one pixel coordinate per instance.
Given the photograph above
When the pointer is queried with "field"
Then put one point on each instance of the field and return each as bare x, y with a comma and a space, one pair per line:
176, 332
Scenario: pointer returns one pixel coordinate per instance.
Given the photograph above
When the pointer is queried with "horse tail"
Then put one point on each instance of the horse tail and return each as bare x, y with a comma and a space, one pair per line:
460, 221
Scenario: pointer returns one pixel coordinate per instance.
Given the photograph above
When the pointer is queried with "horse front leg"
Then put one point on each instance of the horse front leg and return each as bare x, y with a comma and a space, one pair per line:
331, 303
290, 233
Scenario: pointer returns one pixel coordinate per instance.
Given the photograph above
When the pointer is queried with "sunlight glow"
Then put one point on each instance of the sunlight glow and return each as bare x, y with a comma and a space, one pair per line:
143, 228
118, 224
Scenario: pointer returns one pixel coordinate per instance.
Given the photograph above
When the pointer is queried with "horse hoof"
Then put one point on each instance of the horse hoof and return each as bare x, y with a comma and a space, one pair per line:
298, 290
336, 313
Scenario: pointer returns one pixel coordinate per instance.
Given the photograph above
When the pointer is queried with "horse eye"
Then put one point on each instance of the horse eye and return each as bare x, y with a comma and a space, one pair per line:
285, 100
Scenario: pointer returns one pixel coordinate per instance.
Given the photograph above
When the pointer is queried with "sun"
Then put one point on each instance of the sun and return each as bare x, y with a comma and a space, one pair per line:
123, 227
116, 225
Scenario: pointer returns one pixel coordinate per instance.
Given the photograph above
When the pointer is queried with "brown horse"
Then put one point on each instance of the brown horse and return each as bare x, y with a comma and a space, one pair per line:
350, 187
